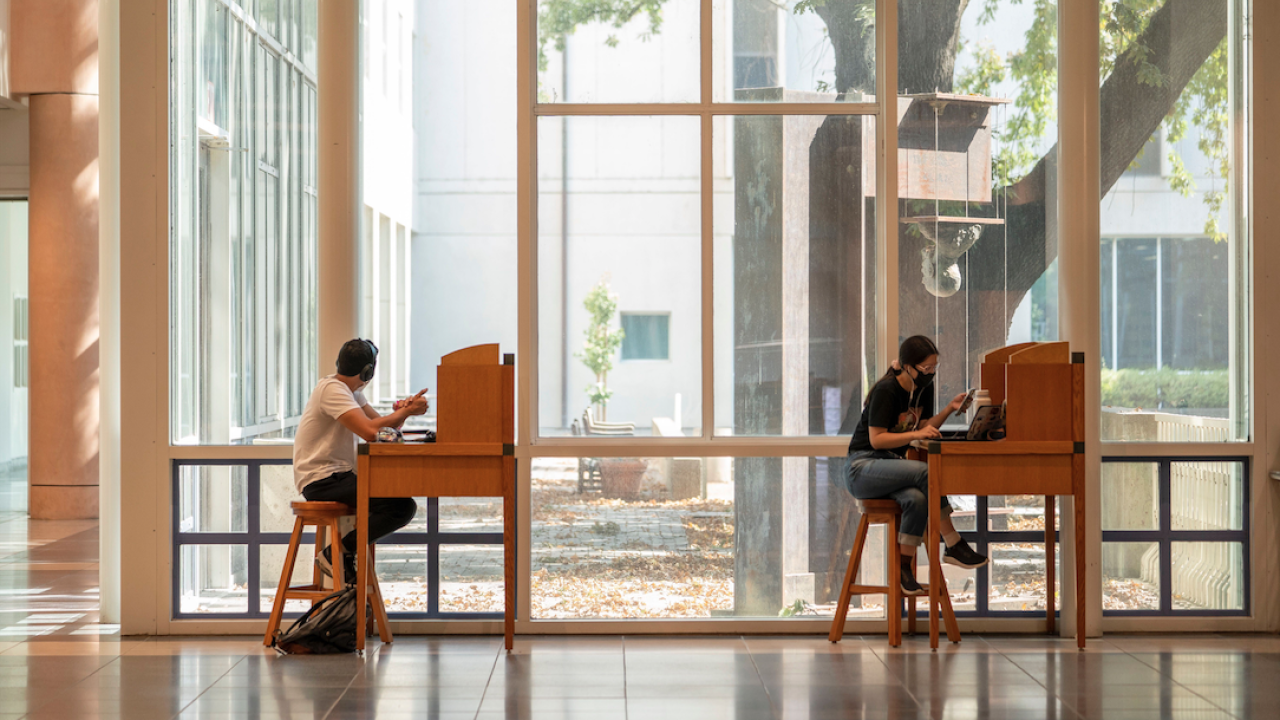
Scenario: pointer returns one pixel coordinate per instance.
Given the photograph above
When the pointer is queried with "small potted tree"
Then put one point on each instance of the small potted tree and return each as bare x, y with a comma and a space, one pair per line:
619, 477
601, 344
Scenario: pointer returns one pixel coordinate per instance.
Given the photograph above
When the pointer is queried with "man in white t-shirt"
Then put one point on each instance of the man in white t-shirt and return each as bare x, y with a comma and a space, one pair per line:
324, 449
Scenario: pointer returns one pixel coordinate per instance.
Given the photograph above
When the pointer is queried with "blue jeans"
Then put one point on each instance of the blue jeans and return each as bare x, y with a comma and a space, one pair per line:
879, 474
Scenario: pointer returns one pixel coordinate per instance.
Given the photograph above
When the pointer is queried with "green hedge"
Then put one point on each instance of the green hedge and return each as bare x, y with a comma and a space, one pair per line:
1146, 389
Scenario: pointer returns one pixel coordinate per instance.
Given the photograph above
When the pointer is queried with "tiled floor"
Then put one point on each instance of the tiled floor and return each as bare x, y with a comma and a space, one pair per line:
56, 661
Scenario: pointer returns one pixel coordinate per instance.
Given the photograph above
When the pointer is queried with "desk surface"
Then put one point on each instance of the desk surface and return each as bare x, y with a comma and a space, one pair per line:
999, 447
428, 449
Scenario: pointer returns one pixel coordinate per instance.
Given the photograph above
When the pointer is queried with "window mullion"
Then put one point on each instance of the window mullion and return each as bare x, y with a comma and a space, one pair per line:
707, 197
886, 182
1165, 474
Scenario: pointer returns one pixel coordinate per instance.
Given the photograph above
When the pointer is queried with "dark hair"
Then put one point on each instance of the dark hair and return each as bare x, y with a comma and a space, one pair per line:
357, 358
913, 351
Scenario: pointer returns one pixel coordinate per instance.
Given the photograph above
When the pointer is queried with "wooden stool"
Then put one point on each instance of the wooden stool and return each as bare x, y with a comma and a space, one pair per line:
889, 513
323, 516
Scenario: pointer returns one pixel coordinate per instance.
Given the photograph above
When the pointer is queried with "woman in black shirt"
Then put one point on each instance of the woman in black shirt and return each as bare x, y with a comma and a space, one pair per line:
897, 411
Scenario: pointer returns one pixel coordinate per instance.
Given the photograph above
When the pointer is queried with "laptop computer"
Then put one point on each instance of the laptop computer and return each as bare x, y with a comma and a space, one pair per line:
986, 419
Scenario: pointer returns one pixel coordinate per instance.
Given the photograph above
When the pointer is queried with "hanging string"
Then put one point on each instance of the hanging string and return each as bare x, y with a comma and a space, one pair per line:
1003, 209
937, 229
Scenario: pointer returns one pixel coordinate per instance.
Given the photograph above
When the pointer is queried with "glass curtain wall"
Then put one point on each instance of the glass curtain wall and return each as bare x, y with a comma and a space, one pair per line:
243, 241
630, 206
977, 242
243, 273
13, 356
1175, 250
1176, 304
626, 213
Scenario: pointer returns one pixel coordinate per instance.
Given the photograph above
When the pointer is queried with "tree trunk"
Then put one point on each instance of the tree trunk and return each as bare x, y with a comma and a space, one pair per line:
928, 35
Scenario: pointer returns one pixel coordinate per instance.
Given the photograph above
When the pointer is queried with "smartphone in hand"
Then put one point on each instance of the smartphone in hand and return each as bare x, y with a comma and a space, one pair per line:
968, 399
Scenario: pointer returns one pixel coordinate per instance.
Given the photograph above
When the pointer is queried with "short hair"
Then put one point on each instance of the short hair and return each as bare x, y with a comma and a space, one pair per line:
355, 356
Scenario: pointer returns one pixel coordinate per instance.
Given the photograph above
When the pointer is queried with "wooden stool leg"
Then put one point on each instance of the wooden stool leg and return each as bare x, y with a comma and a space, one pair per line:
892, 607
277, 608
911, 612
337, 555
317, 577
375, 598
851, 575
1050, 565
948, 615
839, 543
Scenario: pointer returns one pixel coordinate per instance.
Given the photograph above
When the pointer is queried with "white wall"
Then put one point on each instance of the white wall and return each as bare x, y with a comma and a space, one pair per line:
387, 182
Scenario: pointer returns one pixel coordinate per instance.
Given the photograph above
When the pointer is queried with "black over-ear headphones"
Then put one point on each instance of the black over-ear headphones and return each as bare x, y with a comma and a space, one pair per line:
366, 373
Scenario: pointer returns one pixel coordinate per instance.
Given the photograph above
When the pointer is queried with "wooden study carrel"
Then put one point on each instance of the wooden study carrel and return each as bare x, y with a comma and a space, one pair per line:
473, 456
1042, 386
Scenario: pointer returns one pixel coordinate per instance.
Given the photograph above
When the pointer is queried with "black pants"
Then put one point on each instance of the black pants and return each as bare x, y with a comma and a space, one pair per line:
386, 515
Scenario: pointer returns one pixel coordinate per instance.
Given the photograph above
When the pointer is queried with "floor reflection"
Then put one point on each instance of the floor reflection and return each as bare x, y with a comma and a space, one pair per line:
58, 661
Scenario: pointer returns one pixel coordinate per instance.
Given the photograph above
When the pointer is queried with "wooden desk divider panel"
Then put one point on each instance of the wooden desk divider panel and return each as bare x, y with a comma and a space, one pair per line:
992, 371
1038, 389
475, 397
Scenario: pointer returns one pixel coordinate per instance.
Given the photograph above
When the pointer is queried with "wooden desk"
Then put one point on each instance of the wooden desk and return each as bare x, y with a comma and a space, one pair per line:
473, 456
1008, 467
1042, 387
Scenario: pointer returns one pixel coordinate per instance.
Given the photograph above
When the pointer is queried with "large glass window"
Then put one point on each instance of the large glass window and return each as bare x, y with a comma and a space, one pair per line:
232, 528
618, 229
704, 270
243, 245
1175, 269
977, 170
461, 216
1175, 536
692, 537
795, 245
618, 52
797, 51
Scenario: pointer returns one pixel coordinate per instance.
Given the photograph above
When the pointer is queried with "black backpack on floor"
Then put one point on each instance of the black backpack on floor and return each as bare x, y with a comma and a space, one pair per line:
328, 627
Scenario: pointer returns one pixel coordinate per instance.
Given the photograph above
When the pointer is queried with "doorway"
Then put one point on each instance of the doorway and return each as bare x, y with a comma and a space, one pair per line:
14, 369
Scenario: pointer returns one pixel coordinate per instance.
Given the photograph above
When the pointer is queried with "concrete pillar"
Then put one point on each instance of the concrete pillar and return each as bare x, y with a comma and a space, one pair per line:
54, 61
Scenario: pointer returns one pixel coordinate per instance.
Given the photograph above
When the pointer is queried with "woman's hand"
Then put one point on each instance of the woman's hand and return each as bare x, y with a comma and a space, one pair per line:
928, 432
956, 402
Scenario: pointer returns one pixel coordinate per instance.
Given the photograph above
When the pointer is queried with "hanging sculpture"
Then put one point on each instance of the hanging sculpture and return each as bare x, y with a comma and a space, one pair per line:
941, 255
945, 166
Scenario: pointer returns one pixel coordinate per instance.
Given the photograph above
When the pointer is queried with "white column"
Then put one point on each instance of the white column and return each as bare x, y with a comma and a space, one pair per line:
109, 309
338, 91
886, 187
1079, 308
1265, 227
143, 103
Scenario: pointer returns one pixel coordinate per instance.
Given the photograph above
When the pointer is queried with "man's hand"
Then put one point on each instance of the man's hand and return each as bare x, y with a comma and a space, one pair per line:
928, 432
417, 405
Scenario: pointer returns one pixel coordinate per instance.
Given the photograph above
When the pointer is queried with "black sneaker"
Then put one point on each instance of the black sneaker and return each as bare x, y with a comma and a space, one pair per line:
964, 556
910, 587
325, 562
